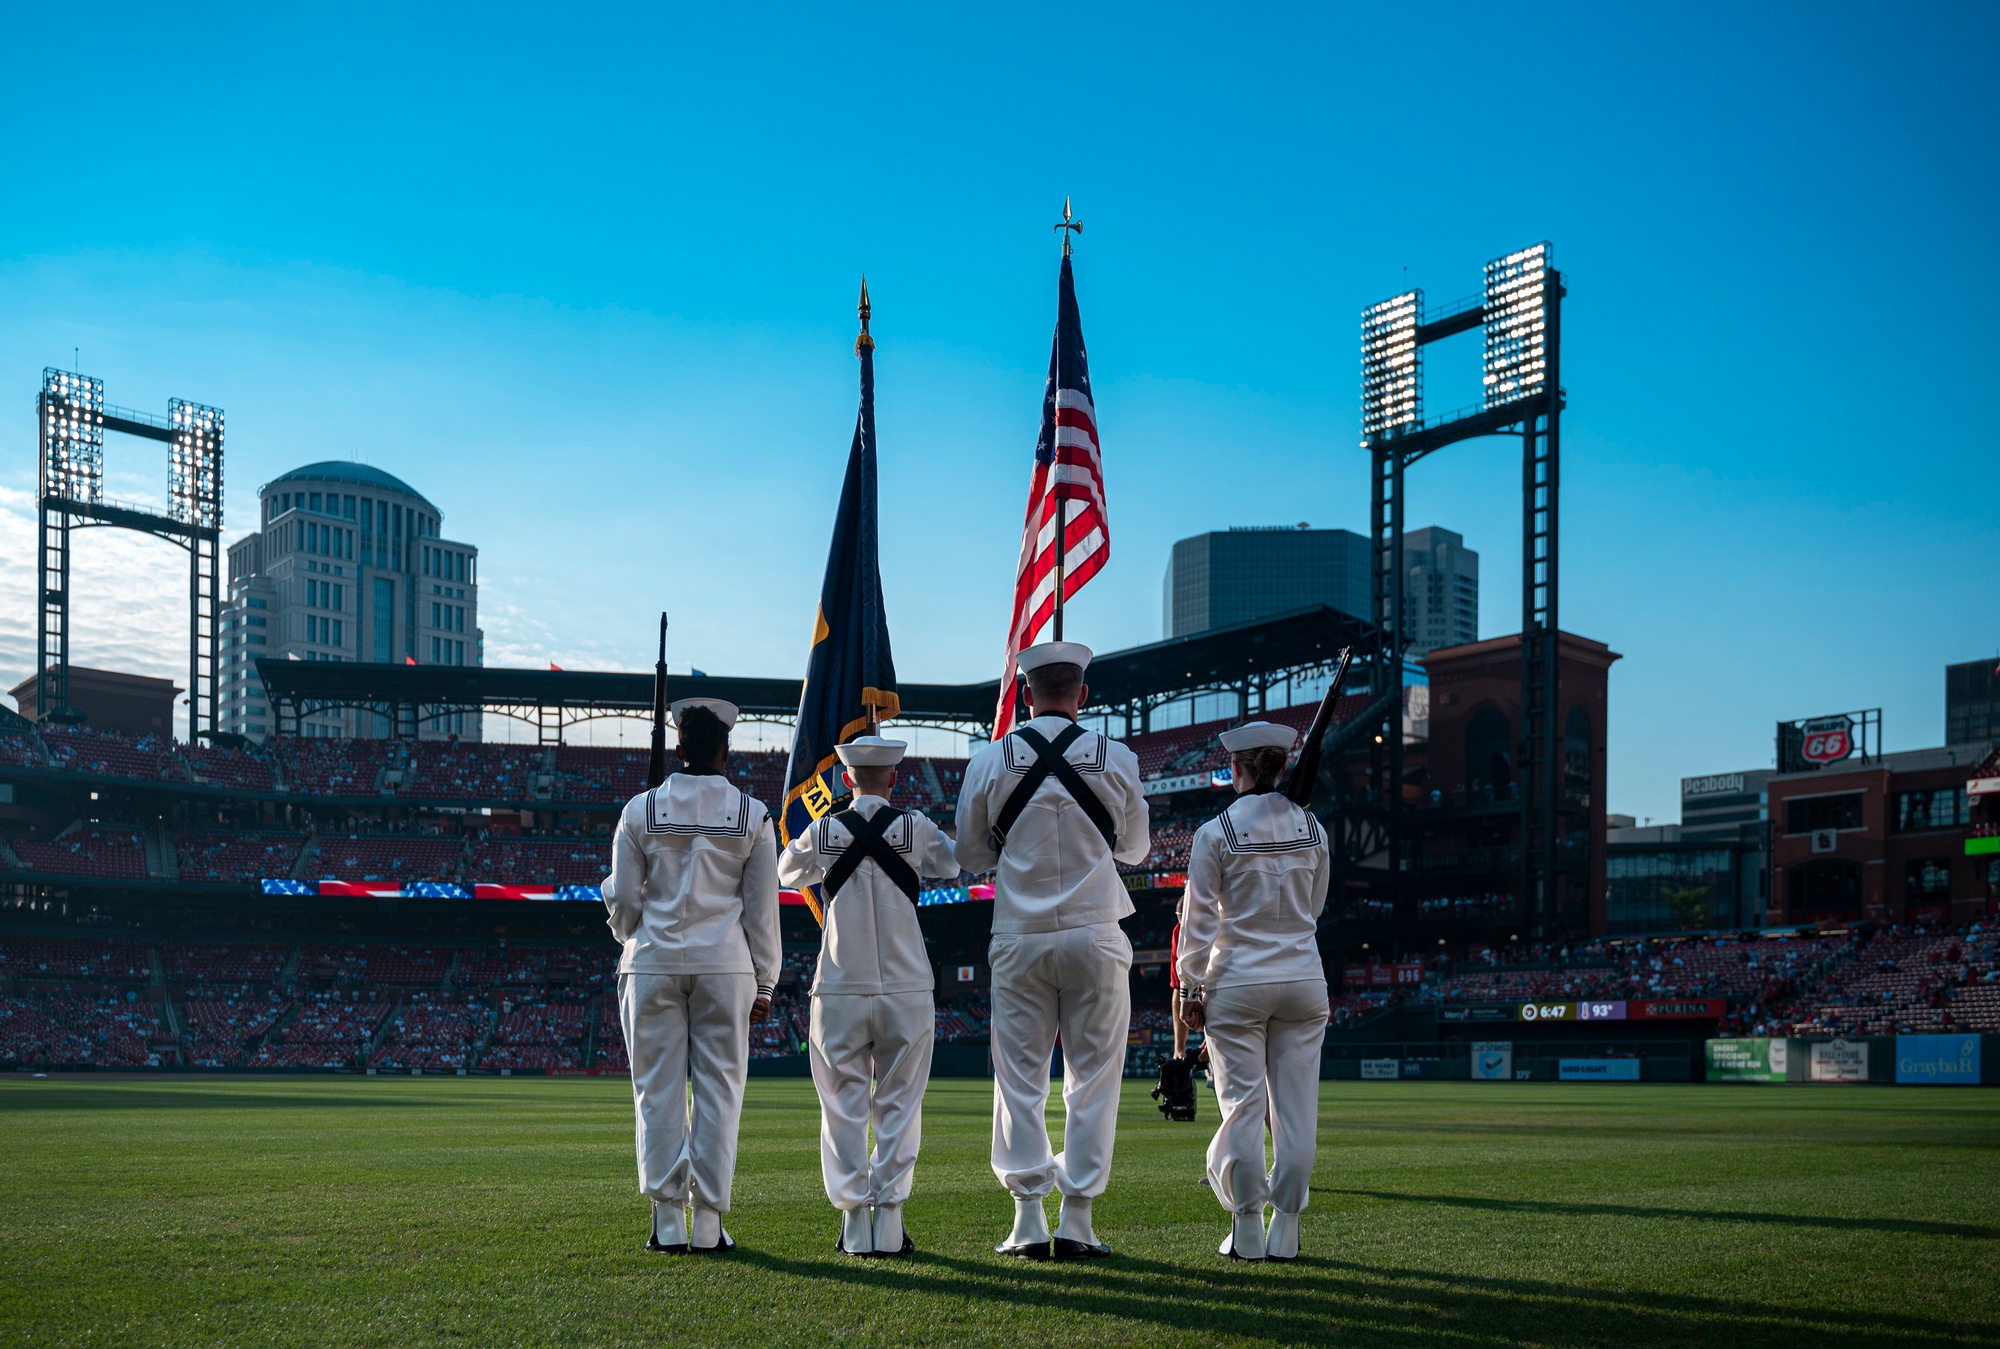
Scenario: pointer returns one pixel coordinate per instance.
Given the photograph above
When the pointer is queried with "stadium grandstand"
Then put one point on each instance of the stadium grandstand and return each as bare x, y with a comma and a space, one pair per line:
356, 905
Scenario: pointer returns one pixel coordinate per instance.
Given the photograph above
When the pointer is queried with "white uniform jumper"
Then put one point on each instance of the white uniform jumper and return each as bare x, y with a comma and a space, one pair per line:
1060, 962
693, 894
872, 1012
1257, 878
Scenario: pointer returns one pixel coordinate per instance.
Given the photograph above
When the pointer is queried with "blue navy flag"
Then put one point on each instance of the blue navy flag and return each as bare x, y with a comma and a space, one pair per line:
850, 674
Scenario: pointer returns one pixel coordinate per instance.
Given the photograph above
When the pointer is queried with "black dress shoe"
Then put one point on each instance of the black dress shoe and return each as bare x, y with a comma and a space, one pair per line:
1230, 1250
656, 1247
858, 1255
1027, 1250
722, 1247
1065, 1249
908, 1246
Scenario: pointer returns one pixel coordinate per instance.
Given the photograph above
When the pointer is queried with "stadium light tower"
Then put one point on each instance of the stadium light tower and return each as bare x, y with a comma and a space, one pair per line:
1519, 310
72, 418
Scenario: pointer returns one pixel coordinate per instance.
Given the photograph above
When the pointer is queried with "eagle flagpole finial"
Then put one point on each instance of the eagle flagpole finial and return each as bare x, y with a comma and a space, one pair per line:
862, 310
1069, 222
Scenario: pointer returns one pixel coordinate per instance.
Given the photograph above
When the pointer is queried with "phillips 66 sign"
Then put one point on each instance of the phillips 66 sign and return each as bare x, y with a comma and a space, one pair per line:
1816, 742
1827, 740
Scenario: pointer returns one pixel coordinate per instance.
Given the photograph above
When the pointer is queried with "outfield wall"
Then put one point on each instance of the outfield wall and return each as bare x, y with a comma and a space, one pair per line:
1904, 1060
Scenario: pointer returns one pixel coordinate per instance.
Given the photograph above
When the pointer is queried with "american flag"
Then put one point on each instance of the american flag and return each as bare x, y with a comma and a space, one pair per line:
1068, 469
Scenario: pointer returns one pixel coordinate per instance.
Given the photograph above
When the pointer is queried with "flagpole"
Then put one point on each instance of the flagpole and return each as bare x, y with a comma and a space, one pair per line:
1069, 225
865, 343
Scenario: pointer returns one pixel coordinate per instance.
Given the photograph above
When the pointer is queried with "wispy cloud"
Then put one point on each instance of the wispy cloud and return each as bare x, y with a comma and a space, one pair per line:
128, 600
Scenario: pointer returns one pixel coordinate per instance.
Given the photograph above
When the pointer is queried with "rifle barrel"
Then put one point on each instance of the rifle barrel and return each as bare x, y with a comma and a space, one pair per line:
656, 761
1306, 771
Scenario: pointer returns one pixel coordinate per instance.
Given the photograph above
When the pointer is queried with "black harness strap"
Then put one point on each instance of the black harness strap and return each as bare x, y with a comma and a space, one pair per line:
869, 845
1049, 760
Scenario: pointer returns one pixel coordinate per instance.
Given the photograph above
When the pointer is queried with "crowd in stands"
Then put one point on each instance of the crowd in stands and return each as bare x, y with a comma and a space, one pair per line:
798, 968
102, 1032
573, 972
1473, 908
1901, 981
498, 773
401, 1006
408, 858
787, 1028
1694, 967
241, 857
965, 1021
1888, 981
111, 853
449, 771
349, 768
215, 1033
237, 856
554, 862
322, 1033
601, 773
611, 1055
540, 1036
237, 769
445, 770
110, 754
364, 965
19, 750
96, 958
1172, 838
433, 1037
224, 963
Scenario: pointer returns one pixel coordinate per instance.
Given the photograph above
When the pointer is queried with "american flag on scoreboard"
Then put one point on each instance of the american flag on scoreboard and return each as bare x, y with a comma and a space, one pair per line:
1068, 469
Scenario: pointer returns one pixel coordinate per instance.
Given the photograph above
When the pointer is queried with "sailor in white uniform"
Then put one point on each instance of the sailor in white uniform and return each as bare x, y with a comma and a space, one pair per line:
1053, 809
693, 894
1251, 976
872, 1014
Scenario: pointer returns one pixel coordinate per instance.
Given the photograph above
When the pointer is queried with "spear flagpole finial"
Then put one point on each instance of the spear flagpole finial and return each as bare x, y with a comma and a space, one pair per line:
862, 310
1068, 224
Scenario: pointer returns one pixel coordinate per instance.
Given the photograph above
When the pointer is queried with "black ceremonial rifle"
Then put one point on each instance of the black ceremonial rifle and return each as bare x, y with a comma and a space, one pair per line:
1305, 772
656, 764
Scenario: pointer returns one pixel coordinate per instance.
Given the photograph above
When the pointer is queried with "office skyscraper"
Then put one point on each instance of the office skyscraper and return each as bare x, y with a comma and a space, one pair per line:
349, 564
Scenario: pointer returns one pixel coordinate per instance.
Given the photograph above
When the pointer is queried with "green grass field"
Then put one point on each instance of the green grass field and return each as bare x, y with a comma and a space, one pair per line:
486, 1211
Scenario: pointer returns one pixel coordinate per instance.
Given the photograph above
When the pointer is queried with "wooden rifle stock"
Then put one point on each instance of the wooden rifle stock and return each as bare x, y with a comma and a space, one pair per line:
656, 763
1299, 788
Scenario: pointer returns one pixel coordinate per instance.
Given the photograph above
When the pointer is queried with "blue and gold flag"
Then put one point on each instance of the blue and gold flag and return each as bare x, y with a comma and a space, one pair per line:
850, 680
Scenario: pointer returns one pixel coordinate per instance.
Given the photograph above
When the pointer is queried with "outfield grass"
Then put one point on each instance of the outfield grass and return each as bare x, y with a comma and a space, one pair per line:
485, 1211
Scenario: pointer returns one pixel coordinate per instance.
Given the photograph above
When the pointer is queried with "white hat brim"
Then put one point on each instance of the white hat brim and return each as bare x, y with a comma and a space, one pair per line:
1053, 653
725, 712
872, 751
1258, 735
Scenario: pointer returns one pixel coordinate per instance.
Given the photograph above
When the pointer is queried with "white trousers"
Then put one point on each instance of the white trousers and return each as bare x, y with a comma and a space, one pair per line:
1263, 1051
674, 1022
1075, 983
885, 1038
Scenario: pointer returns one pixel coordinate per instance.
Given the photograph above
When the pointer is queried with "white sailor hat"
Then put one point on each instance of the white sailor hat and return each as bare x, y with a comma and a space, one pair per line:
726, 712
1258, 735
1053, 653
871, 751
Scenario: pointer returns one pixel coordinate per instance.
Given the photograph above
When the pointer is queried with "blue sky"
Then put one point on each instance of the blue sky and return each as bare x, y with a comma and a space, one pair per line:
586, 279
